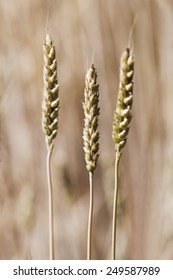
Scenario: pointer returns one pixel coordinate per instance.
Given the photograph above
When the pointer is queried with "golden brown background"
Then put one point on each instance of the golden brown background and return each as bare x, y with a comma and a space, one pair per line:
83, 29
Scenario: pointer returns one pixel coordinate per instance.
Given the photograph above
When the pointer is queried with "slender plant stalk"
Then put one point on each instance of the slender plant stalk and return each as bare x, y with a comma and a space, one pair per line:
50, 112
122, 119
90, 138
50, 193
90, 217
115, 204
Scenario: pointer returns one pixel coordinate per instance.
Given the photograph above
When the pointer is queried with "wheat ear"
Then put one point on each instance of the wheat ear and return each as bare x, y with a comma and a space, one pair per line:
122, 118
90, 138
50, 111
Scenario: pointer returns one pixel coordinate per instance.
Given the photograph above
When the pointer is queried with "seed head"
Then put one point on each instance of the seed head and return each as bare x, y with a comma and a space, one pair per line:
50, 105
91, 114
122, 114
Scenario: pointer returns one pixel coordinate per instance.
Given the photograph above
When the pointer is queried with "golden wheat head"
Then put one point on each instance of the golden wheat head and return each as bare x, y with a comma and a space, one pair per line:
91, 114
122, 114
50, 105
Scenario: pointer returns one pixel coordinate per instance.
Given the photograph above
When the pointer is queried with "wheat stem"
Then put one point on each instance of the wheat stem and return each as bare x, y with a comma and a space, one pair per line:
91, 138
50, 113
121, 124
114, 220
50, 194
90, 217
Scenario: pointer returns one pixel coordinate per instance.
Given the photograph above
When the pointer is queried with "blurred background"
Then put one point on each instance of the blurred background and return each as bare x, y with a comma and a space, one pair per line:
83, 31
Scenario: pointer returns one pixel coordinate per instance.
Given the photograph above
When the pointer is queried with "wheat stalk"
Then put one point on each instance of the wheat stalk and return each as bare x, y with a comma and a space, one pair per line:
50, 111
90, 138
122, 118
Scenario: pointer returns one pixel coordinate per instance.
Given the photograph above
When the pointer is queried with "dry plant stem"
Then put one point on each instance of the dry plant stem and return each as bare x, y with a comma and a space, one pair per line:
50, 113
121, 124
115, 204
90, 217
91, 138
50, 193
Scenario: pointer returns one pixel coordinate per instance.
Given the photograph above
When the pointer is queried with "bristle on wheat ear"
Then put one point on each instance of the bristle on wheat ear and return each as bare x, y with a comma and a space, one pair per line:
50, 105
122, 114
91, 114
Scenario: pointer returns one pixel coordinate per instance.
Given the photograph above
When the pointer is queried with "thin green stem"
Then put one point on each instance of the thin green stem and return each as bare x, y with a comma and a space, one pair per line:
90, 217
50, 194
115, 204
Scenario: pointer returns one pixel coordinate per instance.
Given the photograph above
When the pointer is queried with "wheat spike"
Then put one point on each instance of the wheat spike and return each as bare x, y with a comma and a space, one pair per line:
91, 114
50, 103
122, 114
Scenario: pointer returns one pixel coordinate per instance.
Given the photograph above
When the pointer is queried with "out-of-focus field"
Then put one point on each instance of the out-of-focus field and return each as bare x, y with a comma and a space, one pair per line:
83, 31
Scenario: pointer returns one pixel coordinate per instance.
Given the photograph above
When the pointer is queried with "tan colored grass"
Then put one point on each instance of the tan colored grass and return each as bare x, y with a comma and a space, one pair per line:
50, 113
122, 118
91, 138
